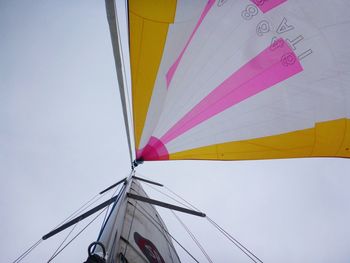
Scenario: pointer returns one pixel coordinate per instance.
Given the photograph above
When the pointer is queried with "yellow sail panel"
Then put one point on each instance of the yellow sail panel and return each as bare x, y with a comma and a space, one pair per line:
331, 138
157, 11
148, 27
344, 150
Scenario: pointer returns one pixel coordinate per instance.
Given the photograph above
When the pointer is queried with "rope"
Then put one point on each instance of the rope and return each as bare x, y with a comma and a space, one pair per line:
183, 224
82, 208
239, 245
184, 203
64, 240
120, 194
57, 252
25, 253
76, 235
178, 196
193, 237
172, 198
107, 211
233, 240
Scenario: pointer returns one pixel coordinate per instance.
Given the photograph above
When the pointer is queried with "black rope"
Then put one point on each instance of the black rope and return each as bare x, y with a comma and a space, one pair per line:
76, 235
149, 217
25, 253
193, 237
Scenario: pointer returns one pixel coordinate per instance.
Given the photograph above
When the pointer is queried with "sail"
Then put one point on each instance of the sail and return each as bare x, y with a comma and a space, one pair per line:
135, 232
240, 80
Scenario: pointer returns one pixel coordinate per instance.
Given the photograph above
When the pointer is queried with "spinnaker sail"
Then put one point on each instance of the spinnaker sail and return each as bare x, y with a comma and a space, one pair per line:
240, 80
221, 80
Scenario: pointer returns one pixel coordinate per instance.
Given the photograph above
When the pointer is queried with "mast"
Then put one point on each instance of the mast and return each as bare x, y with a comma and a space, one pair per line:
117, 52
134, 231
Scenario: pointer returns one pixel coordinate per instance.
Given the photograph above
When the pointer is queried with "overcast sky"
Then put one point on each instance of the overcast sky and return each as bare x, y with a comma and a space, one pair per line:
62, 140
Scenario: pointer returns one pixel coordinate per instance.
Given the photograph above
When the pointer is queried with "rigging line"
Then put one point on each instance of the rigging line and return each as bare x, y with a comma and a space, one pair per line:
150, 217
84, 207
189, 205
224, 232
129, 101
159, 191
81, 209
76, 236
166, 231
107, 211
106, 221
120, 193
64, 240
25, 253
87, 205
116, 44
77, 211
231, 237
193, 237
235, 241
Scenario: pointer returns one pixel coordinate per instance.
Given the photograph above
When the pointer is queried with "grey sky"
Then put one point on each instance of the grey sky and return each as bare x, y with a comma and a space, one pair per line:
62, 140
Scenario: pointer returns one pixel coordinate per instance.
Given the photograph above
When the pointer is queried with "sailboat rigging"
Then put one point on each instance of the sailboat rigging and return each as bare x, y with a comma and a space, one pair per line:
218, 80
227, 80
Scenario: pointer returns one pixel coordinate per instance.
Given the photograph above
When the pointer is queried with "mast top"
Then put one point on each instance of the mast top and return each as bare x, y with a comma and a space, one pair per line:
136, 163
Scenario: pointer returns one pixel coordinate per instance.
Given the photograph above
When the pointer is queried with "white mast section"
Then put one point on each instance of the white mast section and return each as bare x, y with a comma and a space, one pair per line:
119, 64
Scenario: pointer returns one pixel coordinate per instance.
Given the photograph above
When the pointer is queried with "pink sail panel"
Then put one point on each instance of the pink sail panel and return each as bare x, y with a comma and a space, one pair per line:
267, 5
154, 150
172, 69
271, 66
